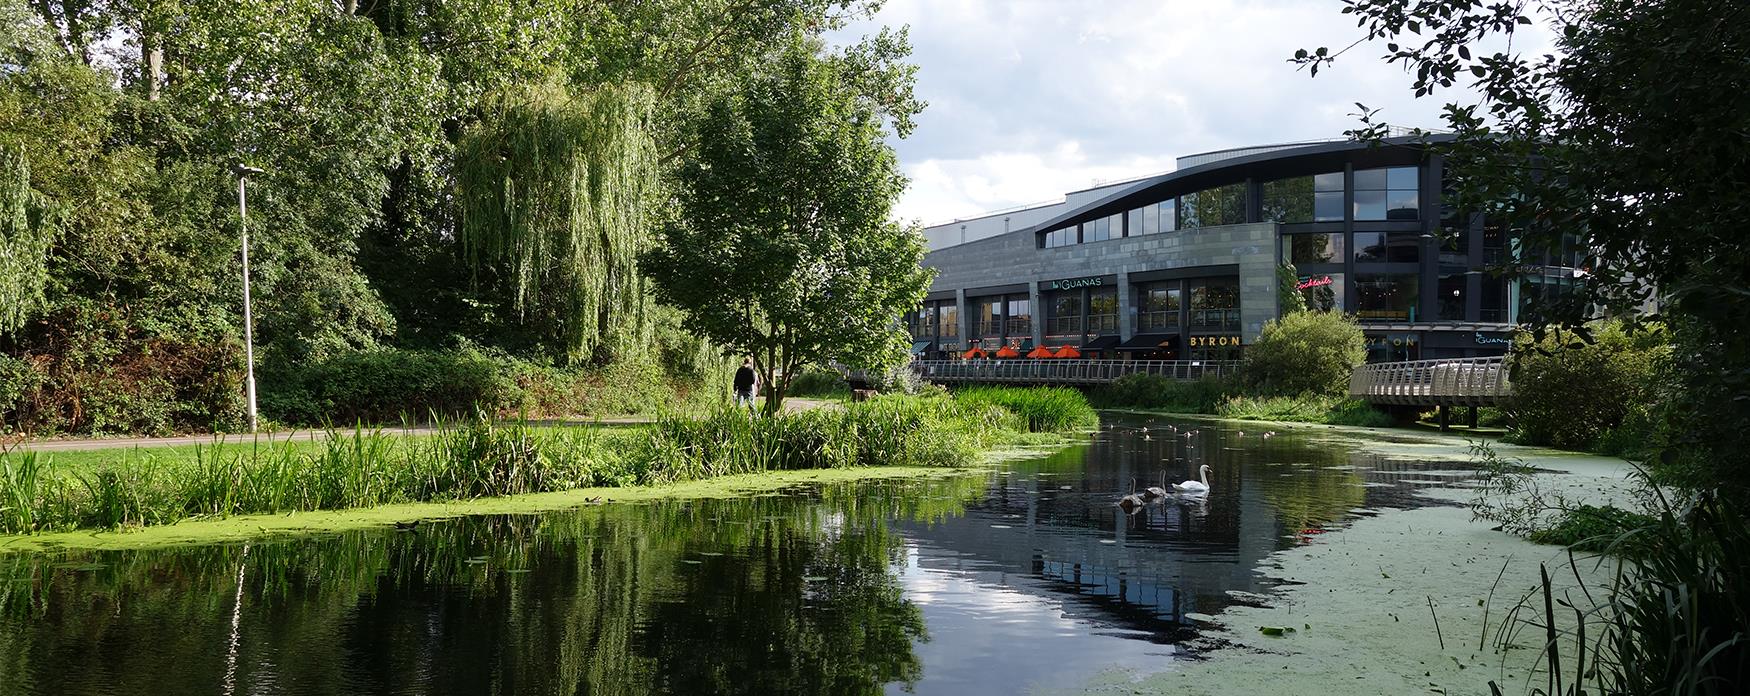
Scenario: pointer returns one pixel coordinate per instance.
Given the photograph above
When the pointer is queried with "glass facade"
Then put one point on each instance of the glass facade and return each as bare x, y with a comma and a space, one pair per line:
1323, 292
1019, 318
1157, 307
1386, 297
1316, 198
1061, 237
1452, 292
1102, 229
1215, 303
948, 320
1064, 316
1324, 247
1388, 247
1222, 205
1387, 194
1103, 311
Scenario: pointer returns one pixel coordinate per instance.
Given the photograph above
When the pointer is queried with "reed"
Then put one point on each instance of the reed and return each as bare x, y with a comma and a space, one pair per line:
1046, 409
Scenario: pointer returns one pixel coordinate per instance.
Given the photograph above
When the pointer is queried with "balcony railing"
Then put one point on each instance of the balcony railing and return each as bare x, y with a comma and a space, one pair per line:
1215, 318
1148, 322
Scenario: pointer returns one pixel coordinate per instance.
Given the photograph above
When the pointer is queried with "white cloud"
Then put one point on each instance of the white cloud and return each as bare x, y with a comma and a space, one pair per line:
1030, 99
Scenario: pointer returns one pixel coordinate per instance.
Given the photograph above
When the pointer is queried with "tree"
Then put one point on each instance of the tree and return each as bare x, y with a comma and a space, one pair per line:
784, 247
1305, 353
1625, 143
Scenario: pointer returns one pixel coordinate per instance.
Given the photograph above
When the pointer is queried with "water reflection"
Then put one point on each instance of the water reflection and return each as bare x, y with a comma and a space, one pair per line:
1025, 577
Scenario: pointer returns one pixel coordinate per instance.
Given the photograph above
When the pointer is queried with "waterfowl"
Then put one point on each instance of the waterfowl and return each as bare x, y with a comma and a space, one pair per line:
1196, 487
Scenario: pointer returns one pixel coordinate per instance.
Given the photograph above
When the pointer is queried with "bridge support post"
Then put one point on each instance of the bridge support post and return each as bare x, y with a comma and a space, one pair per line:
1443, 419
1471, 418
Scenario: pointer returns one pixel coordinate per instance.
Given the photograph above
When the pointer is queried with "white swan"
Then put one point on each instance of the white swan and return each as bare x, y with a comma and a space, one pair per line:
1196, 487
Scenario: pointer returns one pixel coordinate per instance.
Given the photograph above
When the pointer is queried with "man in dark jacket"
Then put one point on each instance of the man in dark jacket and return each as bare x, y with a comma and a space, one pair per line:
747, 384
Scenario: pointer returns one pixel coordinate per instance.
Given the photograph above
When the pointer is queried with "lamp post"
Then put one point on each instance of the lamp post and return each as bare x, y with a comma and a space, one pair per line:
243, 171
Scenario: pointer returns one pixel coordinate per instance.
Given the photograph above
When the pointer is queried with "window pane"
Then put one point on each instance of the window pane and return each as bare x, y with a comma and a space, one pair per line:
1369, 247
1313, 248
1328, 182
1369, 205
1401, 205
1189, 210
1328, 207
1403, 248
1133, 226
1323, 292
1288, 200
1452, 288
1401, 178
1169, 215
1151, 219
1370, 180
1381, 297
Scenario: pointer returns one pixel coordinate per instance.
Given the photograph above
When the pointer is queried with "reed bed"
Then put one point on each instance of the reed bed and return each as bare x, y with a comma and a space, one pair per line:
1046, 409
480, 457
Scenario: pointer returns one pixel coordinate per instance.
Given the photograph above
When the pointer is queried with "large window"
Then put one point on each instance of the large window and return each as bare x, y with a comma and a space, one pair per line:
1387, 194
1019, 319
1169, 214
1386, 297
948, 320
1061, 237
1288, 200
1452, 291
1496, 305
1313, 248
1222, 205
1215, 304
1103, 311
1388, 247
1157, 307
921, 323
990, 317
1323, 292
1065, 318
1102, 229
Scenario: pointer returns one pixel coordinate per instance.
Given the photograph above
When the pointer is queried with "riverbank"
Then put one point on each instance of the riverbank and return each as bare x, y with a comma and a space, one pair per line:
1357, 609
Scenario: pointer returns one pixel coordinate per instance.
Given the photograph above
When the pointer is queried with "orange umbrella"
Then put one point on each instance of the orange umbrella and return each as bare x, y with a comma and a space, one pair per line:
1039, 352
973, 352
1068, 352
1007, 352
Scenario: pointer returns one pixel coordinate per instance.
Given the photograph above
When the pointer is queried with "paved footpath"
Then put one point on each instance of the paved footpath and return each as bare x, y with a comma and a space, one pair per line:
63, 445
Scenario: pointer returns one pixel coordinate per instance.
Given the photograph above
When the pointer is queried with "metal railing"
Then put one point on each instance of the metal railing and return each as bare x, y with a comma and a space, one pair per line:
1450, 382
1215, 318
1157, 321
1064, 371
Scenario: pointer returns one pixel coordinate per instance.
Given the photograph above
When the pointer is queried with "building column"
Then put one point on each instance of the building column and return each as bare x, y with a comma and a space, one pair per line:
1038, 323
1126, 313
961, 319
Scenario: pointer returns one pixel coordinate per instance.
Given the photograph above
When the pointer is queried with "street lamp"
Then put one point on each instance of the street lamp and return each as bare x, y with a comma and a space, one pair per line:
243, 171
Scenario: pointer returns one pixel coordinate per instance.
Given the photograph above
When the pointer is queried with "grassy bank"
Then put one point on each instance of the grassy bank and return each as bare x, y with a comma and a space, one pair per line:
1228, 398
481, 458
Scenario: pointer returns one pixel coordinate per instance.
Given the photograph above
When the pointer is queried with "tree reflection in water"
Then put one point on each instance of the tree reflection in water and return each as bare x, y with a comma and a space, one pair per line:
773, 594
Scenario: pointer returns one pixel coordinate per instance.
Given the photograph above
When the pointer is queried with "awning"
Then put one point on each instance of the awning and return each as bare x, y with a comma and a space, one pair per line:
1101, 343
1148, 342
920, 346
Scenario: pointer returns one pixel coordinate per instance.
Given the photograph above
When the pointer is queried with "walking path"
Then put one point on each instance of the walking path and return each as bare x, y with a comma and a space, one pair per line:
70, 444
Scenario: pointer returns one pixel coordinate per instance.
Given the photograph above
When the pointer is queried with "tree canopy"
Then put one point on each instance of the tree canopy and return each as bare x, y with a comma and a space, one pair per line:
783, 246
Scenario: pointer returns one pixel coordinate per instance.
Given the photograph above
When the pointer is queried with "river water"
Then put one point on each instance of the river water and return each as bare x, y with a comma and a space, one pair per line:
1024, 577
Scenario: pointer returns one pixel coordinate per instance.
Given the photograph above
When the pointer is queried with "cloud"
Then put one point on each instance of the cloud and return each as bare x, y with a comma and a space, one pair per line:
1030, 99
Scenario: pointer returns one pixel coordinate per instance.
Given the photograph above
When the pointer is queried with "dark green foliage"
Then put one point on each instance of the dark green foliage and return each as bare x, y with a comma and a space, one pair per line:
1140, 390
1582, 395
1045, 409
1305, 353
1329, 410
386, 386
818, 381
1593, 528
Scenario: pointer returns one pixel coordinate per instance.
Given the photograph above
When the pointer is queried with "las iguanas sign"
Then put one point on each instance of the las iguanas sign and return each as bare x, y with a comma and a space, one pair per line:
1074, 283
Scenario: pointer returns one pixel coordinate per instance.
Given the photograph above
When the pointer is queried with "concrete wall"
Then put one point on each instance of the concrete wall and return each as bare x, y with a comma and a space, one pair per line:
1017, 258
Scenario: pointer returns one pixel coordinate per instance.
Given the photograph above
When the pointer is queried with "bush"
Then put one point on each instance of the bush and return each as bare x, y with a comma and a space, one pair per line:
1574, 394
815, 381
1046, 409
1305, 353
388, 385
1142, 390
1304, 409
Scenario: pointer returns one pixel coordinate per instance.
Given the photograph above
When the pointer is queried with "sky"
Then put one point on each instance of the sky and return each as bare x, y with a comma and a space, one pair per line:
1031, 99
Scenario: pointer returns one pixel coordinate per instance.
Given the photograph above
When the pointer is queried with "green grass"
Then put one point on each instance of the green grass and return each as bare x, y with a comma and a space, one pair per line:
1046, 409
1304, 409
483, 458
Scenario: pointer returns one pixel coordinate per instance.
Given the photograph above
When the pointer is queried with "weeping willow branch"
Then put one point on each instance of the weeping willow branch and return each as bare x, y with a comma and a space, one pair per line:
24, 243
552, 187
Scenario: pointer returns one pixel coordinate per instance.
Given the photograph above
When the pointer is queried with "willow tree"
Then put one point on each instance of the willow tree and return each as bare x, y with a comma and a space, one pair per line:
552, 186
24, 243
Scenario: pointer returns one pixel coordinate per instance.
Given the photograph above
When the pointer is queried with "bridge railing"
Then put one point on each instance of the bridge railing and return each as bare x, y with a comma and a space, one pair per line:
1066, 371
1448, 382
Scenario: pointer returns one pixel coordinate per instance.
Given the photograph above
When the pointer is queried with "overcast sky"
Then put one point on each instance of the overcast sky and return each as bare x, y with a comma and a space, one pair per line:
1030, 99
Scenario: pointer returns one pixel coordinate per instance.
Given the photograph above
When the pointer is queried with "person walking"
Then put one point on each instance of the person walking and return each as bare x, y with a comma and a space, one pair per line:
747, 384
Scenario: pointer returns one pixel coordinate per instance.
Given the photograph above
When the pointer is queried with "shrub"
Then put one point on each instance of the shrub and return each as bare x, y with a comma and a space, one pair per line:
1142, 390
815, 381
1304, 353
1046, 409
1304, 409
388, 385
1572, 394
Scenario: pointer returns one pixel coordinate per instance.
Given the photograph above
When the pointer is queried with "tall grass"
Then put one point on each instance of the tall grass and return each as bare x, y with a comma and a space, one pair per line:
1304, 409
1673, 619
481, 457
1046, 409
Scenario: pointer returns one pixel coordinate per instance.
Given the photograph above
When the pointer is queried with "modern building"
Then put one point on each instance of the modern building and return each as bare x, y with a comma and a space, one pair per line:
1185, 265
